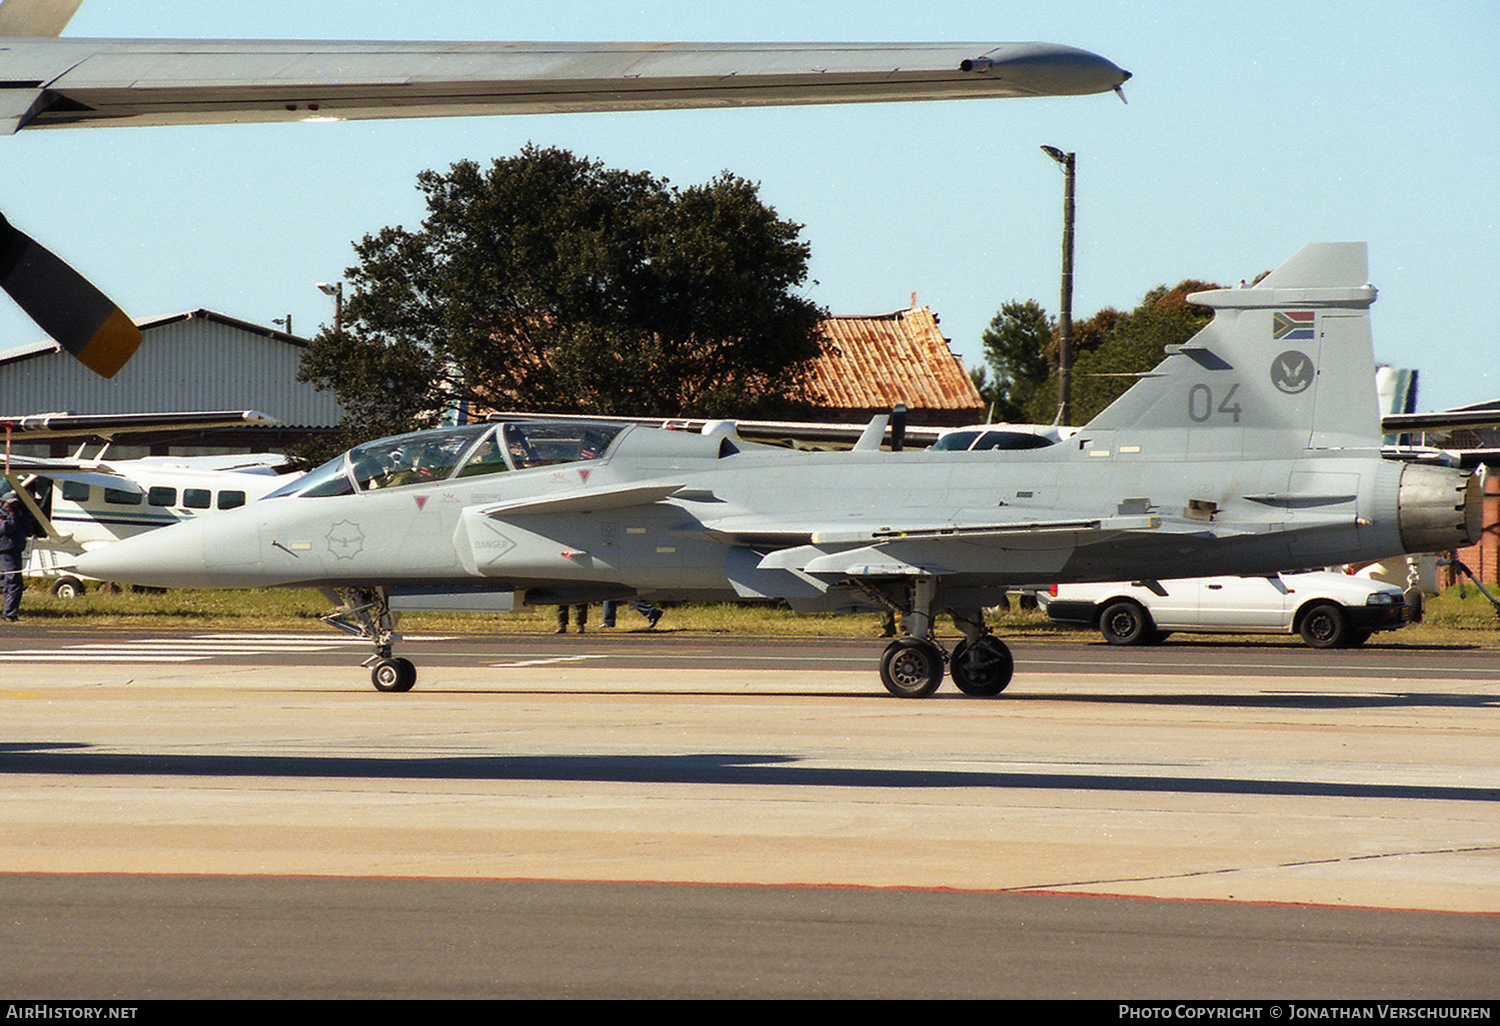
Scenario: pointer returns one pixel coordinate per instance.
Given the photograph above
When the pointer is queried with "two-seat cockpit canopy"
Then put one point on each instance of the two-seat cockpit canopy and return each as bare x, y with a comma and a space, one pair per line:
426, 457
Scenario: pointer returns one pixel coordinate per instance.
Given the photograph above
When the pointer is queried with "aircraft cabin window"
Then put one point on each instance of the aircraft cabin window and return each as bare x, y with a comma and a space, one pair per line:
162, 496
231, 500
487, 458
120, 497
331, 478
543, 443
957, 441
197, 498
1011, 440
411, 459
75, 491
429, 456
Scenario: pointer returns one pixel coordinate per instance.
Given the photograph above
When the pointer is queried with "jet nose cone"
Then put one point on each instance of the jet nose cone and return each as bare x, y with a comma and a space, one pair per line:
171, 557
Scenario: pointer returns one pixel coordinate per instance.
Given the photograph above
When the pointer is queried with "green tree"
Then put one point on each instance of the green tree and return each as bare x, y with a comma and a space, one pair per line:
1113, 349
550, 282
1020, 351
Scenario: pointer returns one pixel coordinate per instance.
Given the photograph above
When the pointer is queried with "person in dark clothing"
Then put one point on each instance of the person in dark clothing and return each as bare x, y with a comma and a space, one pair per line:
582, 611
646, 609
14, 530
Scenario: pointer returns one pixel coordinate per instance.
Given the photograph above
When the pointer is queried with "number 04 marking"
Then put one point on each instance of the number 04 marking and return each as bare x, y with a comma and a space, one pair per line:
1201, 403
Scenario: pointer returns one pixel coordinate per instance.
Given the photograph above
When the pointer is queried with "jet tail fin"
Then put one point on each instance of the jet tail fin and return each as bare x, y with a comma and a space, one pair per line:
1285, 365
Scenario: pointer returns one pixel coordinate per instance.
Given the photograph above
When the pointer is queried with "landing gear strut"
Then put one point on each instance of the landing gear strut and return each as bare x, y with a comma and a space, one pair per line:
366, 613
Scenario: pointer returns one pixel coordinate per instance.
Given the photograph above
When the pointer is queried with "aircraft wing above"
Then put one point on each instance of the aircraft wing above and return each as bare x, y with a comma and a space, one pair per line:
70, 470
1445, 420
106, 425
937, 549
61, 82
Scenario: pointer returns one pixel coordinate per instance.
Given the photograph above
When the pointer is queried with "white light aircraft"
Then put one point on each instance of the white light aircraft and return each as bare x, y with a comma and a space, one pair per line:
80, 503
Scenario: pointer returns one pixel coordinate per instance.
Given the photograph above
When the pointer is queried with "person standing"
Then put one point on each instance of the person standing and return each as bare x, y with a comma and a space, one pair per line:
646, 609
13, 534
582, 614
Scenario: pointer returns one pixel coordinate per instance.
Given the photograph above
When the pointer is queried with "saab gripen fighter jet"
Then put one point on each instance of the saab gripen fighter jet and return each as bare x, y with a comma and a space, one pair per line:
1252, 448
51, 81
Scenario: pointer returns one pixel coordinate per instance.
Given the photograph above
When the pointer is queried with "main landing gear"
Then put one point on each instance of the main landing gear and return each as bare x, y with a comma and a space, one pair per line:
366, 613
913, 667
981, 665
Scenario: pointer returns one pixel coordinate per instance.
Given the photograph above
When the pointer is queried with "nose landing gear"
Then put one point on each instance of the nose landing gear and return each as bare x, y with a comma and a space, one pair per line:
366, 613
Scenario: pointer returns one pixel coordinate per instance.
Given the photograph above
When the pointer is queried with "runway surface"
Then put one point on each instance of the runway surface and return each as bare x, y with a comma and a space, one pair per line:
218, 814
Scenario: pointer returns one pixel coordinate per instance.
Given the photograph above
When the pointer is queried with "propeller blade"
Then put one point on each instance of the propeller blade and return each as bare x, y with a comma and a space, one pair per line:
82, 319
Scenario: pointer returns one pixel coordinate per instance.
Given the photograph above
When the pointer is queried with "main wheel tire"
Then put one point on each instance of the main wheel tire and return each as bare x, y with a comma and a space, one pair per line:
396, 674
982, 669
1125, 623
911, 668
67, 588
1325, 626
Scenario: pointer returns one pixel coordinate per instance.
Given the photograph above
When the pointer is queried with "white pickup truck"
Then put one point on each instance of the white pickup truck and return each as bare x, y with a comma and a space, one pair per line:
1329, 610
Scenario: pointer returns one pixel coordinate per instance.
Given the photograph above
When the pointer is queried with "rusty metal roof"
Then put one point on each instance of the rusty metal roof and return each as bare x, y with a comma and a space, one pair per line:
872, 363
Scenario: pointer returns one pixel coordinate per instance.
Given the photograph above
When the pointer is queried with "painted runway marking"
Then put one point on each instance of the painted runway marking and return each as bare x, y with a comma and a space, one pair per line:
196, 648
545, 662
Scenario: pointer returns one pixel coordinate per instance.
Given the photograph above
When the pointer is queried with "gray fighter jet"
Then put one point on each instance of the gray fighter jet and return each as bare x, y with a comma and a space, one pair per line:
1253, 448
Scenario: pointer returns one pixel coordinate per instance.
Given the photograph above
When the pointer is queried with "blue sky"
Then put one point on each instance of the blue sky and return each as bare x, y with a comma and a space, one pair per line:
1251, 130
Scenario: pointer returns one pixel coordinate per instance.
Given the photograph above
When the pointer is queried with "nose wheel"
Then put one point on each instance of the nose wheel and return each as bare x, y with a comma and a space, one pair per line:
393, 674
366, 613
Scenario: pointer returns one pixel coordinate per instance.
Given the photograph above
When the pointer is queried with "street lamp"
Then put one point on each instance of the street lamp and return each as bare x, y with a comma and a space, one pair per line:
336, 290
1065, 319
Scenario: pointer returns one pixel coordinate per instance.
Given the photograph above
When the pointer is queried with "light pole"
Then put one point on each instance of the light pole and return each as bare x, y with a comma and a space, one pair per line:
336, 290
1065, 318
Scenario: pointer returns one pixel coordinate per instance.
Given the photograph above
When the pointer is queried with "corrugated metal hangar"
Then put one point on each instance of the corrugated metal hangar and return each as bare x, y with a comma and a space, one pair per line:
190, 361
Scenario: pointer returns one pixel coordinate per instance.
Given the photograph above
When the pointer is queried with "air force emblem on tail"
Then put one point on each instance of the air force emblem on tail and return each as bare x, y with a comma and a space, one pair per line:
1292, 372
